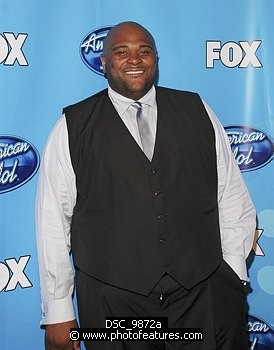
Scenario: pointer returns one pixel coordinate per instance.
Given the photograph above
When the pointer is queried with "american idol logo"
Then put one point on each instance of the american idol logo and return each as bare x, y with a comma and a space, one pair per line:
91, 48
252, 148
19, 161
261, 334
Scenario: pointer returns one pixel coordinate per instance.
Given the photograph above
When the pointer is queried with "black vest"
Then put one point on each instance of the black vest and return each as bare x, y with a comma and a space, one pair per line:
135, 220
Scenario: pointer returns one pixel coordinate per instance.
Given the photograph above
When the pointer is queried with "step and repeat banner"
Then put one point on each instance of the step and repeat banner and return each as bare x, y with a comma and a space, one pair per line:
49, 58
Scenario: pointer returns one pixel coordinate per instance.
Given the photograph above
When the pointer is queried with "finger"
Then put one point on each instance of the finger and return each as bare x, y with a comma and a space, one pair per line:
76, 345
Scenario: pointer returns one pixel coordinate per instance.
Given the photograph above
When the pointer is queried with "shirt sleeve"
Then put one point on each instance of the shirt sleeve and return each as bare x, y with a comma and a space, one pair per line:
55, 200
236, 211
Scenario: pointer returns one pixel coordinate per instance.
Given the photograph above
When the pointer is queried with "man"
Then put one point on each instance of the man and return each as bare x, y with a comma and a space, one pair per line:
143, 181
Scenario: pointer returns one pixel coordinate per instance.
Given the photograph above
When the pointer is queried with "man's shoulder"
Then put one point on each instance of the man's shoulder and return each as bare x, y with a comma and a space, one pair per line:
178, 96
161, 90
87, 103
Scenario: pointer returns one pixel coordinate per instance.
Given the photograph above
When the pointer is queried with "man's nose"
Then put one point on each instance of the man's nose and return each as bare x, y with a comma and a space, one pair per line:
134, 58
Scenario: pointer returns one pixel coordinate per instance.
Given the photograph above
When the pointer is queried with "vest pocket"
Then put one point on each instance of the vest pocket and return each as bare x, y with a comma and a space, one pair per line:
210, 205
93, 219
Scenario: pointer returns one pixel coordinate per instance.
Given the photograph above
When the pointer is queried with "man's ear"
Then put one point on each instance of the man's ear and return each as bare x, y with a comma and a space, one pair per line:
103, 61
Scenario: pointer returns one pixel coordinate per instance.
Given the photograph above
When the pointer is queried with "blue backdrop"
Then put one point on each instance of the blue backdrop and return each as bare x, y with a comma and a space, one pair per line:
221, 49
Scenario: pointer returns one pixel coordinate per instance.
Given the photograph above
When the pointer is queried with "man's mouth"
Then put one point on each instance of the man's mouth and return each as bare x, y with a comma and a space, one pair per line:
134, 72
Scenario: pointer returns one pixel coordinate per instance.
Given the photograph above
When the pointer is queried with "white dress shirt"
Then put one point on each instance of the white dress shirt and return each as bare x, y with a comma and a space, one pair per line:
56, 198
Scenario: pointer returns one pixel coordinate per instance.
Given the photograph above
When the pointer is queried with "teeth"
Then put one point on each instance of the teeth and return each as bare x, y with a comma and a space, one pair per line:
135, 72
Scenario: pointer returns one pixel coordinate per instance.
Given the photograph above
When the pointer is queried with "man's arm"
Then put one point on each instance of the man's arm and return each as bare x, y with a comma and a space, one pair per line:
236, 210
57, 336
56, 195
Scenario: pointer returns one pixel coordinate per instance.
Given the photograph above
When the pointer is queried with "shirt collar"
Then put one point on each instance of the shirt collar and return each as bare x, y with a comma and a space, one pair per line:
121, 103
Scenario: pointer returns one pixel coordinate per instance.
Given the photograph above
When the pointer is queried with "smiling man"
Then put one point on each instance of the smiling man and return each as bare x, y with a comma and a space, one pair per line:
130, 62
140, 184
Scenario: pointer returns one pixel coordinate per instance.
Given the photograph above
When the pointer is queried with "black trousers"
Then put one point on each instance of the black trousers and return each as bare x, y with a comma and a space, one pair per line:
217, 305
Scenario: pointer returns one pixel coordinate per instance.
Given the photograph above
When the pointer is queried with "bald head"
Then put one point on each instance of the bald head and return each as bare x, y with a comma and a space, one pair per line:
127, 28
129, 59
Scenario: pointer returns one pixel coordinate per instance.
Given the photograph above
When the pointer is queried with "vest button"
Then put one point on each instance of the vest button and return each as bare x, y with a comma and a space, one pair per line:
160, 216
162, 241
154, 170
156, 193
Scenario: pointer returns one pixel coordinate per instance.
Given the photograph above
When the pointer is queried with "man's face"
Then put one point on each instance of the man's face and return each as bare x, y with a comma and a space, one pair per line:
130, 61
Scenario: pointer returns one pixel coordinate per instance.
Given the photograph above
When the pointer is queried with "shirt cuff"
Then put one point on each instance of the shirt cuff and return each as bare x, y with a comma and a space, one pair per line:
57, 311
238, 264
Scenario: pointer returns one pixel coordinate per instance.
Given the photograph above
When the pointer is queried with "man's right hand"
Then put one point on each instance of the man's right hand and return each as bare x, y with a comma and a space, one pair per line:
57, 336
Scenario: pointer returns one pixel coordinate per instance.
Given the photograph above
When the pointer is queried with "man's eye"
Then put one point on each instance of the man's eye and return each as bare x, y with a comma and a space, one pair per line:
121, 52
145, 52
